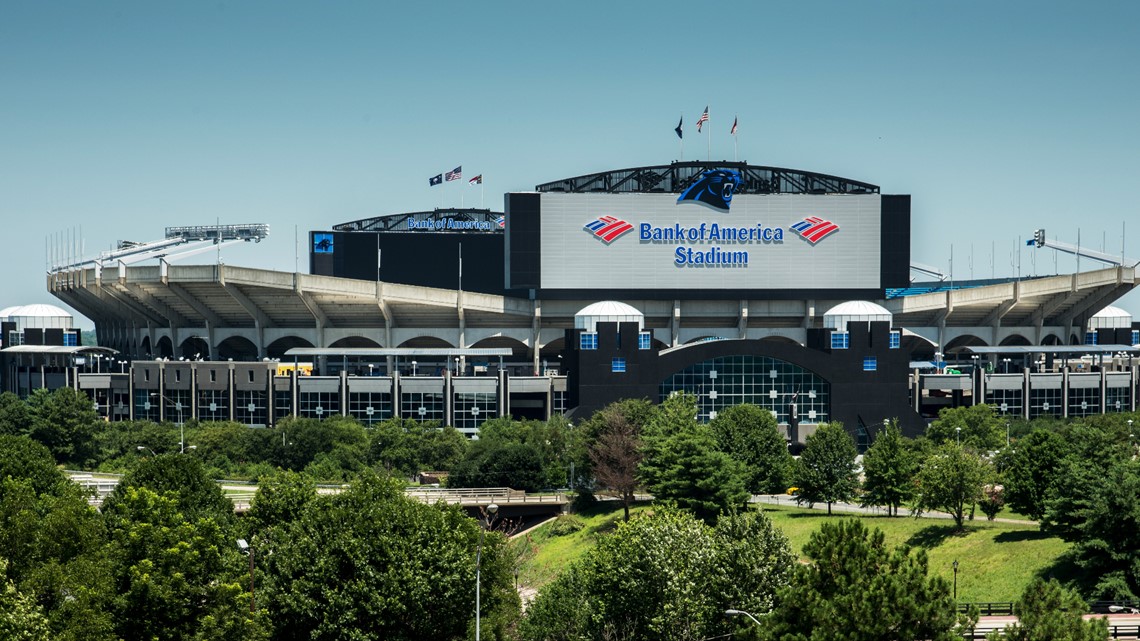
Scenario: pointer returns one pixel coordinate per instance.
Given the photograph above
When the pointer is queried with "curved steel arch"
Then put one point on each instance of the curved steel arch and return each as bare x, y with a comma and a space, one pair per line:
399, 222
676, 177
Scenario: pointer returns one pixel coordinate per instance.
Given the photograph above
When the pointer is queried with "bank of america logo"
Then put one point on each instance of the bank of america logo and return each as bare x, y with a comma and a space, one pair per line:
814, 229
608, 229
501, 221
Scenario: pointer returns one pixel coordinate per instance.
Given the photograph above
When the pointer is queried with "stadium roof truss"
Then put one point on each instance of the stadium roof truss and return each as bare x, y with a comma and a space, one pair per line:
399, 222
678, 176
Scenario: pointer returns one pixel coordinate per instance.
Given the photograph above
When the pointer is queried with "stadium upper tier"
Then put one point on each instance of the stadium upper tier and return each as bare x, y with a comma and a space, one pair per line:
676, 177
228, 311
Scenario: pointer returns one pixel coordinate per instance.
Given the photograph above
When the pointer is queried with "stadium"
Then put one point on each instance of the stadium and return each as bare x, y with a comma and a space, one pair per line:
734, 282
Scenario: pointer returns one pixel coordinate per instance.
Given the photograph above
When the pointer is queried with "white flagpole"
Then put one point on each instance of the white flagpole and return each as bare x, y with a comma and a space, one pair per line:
708, 123
481, 194
681, 138
735, 144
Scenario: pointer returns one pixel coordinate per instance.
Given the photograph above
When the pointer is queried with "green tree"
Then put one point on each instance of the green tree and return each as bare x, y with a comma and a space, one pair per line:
184, 477
889, 468
1046, 610
279, 501
1070, 497
64, 420
974, 426
749, 434
15, 418
682, 463
302, 440
370, 563
172, 571
664, 575
951, 480
20, 618
498, 463
1029, 468
826, 469
856, 589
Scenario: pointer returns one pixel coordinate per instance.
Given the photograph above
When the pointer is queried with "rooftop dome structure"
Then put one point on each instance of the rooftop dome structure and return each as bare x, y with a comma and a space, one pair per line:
4, 313
607, 311
38, 316
856, 310
1110, 318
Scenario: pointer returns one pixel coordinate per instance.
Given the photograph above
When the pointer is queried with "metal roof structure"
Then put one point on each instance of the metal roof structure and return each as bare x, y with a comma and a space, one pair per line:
397, 351
1054, 349
482, 220
676, 177
58, 349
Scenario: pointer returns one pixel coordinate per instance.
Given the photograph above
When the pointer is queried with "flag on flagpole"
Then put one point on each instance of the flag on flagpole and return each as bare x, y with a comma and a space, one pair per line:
477, 180
454, 174
733, 132
678, 129
703, 119
435, 180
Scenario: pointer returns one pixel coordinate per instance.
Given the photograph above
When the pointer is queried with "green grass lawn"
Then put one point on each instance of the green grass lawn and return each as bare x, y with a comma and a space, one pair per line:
995, 560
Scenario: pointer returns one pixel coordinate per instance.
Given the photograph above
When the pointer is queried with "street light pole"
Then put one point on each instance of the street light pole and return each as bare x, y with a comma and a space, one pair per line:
736, 613
248, 550
958, 430
955, 580
491, 510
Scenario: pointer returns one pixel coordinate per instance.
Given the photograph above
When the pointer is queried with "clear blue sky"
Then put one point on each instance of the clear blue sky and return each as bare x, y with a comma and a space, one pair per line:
126, 117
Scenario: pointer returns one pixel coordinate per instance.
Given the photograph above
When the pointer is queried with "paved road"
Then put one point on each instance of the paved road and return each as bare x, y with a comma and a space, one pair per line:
855, 508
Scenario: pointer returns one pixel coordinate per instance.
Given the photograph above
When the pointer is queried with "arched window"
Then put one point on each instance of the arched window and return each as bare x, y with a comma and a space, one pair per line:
768, 382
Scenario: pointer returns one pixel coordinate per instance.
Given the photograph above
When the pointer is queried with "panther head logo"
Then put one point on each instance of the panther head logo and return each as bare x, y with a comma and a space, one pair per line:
714, 189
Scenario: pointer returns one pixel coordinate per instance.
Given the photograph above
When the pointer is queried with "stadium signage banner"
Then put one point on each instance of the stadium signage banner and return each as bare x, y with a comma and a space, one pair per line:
450, 224
784, 241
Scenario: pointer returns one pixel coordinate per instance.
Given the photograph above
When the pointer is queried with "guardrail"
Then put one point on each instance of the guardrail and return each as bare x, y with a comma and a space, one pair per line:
997, 608
1002, 608
1114, 632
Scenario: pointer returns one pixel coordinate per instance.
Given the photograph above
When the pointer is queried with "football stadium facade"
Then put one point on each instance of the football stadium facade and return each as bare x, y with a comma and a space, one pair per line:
733, 282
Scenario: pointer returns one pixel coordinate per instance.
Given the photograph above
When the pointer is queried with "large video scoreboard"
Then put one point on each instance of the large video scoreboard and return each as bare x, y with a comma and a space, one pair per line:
659, 244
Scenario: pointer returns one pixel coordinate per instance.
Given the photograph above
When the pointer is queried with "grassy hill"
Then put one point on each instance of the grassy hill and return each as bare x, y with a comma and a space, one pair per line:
995, 560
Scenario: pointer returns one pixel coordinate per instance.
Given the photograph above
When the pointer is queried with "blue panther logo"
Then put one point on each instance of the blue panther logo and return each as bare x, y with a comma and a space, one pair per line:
714, 189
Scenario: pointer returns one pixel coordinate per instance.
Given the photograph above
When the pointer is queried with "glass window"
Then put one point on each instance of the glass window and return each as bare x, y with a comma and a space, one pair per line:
731, 380
618, 365
472, 409
896, 339
1136, 337
840, 340
870, 364
70, 339
644, 340
1090, 338
588, 340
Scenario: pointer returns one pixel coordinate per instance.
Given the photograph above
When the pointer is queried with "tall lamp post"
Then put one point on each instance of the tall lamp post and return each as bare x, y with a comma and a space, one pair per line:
247, 549
738, 613
491, 510
181, 425
958, 430
955, 580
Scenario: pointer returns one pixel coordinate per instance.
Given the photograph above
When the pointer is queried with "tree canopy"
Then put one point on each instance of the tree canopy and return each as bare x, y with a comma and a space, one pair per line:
889, 467
951, 480
749, 434
826, 469
856, 589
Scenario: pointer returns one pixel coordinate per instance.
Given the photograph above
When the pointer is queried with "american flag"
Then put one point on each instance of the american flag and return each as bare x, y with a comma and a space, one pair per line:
733, 132
454, 174
477, 180
703, 119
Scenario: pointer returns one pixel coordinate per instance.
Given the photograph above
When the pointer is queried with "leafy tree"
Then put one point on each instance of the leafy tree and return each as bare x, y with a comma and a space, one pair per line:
1029, 468
370, 563
1091, 453
615, 456
889, 467
856, 588
664, 575
992, 501
172, 571
15, 418
64, 420
183, 476
1047, 610
497, 463
974, 426
826, 470
682, 463
634, 412
279, 501
749, 434
20, 618
1106, 534
951, 480
303, 439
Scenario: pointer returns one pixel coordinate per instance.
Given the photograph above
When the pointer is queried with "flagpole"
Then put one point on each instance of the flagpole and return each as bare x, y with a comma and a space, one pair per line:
710, 137
481, 194
681, 138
